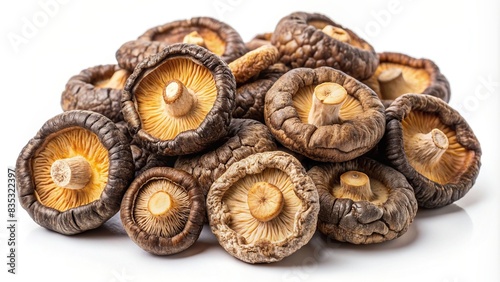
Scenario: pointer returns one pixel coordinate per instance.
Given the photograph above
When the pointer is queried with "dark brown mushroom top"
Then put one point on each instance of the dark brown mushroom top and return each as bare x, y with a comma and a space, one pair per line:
433, 146
73, 174
363, 201
249, 100
399, 74
324, 114
96, 89
131, 53
263, 208
179, 101
163, 211
216, 36
313, 40
245, 138
259, 40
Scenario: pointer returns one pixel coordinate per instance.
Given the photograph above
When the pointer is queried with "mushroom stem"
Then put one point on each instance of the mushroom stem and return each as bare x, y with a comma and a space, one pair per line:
71, 173
393, 84
337, 33
355, 185
179, 100
160, 203
194, 38
328, 98
117, 80
428, 148
265, 201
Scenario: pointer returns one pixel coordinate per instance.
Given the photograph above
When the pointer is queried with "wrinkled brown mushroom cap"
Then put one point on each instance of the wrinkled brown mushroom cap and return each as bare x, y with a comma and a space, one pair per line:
439, 175
96, 89
245, 138
289, 100
383, 216
163, 210
81, 134
250, 96
131, 53
421, 76
219, 37
205, 76
240, 229
302, 43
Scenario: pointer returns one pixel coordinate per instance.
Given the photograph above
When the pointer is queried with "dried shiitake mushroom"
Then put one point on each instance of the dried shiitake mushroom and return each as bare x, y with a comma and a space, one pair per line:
324, 114
73, 174
163, 210
96, 89
259, 40
313, 40
399, 74
253, 62
433, 146
249, 100
363, 201
218, 37
245, 138
131, 53
179, 101
263, 208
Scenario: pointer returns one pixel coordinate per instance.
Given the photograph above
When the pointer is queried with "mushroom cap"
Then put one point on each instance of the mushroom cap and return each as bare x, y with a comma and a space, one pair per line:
246, 137
220, 38
456, 171
244, 236
74, 133
93, 90
253, 62
171, 232
143, 106
302, 43
289, 100
250, 96
131, 53
422, 75
364, 222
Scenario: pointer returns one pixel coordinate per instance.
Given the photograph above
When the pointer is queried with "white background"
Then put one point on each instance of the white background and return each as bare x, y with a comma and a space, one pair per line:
453, 244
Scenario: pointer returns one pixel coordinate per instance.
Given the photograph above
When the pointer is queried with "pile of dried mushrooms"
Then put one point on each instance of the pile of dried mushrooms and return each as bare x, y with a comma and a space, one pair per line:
301, 130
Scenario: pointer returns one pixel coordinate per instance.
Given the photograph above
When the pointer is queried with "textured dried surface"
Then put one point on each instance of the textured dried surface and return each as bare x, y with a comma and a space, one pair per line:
253, 62
245, 138
215, 124
249, 101
301, 43
363, 222
259, 40
337, 142
430, 194
131, 53
81, 92
263, 250
120, 171
228, 44
436, 85
154, 243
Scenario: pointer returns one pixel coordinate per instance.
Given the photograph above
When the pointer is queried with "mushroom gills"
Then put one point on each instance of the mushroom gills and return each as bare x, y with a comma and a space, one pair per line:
395, 80
194, 38
116, 81
337, 33
357, 186
274, 221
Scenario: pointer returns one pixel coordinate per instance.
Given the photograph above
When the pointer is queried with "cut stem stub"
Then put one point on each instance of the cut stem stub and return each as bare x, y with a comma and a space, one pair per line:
355, 185
160, 203
194, 38
71, 173
337, 33
393, 84
328, 98
179, 100
428, 148
265, 201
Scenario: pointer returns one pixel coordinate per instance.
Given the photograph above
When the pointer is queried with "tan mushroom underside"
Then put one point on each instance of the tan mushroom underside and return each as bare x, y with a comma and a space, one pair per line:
64, 145
323, 26
357, 186
161, 208
452, 162
211, 39
242, 221
303, 101
416, 80
156, 119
